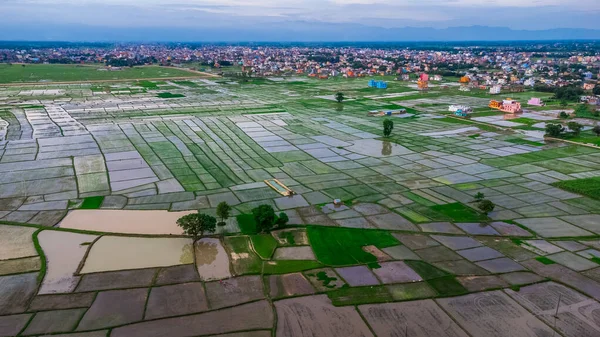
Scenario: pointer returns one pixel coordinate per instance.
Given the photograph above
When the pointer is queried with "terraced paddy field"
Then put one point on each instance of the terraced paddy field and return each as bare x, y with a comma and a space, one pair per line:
93, 177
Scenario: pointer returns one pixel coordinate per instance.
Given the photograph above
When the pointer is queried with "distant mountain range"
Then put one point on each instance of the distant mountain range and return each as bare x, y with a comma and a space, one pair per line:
284, 32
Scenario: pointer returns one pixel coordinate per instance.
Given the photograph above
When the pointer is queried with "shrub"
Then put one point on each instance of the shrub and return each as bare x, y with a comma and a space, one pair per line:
265, 218
388, 126
486, 206
282, 220
575, 128
554, 130
479, 196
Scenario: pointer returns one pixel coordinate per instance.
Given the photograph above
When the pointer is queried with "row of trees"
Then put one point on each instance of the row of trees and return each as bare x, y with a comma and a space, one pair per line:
573, 129
197, 224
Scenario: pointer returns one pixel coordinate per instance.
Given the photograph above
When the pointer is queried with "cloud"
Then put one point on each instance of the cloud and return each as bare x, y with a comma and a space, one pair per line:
536, 14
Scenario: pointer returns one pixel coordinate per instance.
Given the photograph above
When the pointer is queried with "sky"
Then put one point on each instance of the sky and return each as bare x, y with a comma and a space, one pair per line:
514, 14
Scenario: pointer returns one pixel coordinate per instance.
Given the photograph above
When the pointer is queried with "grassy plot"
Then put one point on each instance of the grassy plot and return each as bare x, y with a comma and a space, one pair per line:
169, 95
359, 295
425, 270
590, 187
447, 286
92, 202
289, 266
521, 141
467, 122
243, 259
460, 213
586, 137
78, 73
264, 245
344, 246
247, 224
530, 158
544, 260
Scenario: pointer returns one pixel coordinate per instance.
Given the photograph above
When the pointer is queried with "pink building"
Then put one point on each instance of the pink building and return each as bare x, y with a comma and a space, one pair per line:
536, 101
511, 106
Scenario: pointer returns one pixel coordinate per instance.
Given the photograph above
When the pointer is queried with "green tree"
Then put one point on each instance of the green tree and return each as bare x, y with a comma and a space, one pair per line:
575, 128
196, 225
223, 212
339, 97
596, 130
564, 103
479, 196
596, 90
582, 110
282, 220
563, 115
265, 218
554, 130
486, 206
207, 223
388, 126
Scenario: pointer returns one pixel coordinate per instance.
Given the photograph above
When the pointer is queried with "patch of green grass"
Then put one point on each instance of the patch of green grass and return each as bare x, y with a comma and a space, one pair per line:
31, 106
517, 242
521, 141
81, 73
515, 288
289, 266
147, 84
264, 245
418, 199
447, 286
187, 83
169, 95
475, 136
586, 137
40, 251
483, 127
524, 120
247, 261
425, 270
92, 202
544, 260
326, 280
589, 187
289, 238
247, 224
336, 246
359, 295
595, 259
460, 213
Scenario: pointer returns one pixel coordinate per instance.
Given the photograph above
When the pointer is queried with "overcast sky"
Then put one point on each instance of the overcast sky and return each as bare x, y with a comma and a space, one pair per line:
516, 14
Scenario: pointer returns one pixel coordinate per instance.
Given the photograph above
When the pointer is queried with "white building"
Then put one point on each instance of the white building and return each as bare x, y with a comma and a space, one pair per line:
496, 89
530, 82
456, 107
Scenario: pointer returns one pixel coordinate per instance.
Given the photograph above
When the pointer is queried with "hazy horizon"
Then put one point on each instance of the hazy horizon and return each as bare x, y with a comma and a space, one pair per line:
298, 20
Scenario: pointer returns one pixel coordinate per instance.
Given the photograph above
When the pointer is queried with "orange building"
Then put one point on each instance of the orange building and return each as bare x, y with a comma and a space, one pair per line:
423, 85
495, 104
465, 79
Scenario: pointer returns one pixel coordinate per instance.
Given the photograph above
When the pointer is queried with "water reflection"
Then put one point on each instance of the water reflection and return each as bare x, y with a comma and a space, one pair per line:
386, 150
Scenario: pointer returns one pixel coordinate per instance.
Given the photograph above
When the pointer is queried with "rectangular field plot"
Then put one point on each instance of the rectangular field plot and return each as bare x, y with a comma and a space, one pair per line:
493, 314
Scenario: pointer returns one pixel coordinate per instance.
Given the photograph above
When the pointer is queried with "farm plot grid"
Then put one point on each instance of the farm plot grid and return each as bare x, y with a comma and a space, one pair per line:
68, 142
94, 176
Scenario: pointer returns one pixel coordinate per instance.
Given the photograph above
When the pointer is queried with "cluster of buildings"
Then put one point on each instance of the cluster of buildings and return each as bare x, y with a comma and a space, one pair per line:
476, 67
